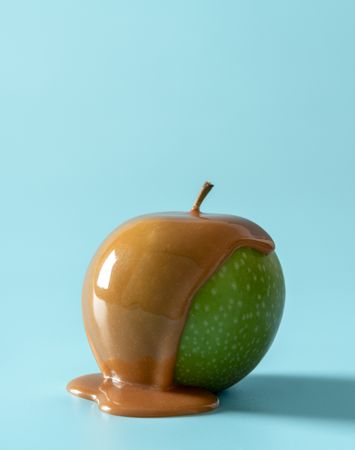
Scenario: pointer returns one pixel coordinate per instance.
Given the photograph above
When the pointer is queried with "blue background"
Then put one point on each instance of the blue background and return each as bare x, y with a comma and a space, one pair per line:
111, 109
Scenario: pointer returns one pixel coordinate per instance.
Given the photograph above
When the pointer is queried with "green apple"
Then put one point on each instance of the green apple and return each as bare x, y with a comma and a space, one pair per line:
232, 321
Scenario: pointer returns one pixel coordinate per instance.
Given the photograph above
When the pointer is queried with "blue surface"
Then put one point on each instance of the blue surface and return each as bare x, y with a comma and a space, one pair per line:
112, 109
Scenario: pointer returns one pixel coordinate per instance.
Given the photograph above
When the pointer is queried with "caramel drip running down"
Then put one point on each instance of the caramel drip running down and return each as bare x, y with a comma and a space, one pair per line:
136, 299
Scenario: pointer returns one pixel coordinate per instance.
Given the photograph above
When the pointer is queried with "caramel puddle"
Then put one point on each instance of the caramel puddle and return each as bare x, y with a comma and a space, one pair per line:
142, 401
136, 299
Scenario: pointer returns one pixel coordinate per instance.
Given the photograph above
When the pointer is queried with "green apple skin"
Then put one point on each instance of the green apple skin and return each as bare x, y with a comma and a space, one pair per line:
232, 321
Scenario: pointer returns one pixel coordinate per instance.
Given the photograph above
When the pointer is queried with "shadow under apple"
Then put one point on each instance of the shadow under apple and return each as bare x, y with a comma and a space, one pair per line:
312, 397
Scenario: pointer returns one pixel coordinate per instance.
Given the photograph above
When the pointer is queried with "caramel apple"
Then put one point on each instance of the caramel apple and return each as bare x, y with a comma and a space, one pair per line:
176, 307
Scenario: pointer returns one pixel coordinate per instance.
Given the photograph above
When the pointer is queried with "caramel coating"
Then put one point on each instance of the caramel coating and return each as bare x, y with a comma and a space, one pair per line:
136, 299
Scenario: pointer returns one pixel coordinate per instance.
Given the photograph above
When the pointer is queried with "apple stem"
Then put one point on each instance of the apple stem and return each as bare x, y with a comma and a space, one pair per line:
207, 186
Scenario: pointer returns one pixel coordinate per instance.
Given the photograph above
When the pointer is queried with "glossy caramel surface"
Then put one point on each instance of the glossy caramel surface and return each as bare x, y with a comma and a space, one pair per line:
136, 298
